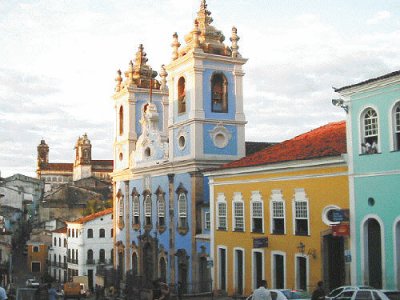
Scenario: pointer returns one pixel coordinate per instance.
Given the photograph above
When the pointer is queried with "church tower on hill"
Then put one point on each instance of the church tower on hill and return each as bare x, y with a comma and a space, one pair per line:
168, 129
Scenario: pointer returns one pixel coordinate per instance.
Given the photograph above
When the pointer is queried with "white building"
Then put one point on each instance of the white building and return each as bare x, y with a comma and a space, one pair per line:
89, 243
58, 255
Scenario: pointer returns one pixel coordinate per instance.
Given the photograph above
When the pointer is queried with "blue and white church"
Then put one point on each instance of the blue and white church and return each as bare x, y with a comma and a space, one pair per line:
168, 130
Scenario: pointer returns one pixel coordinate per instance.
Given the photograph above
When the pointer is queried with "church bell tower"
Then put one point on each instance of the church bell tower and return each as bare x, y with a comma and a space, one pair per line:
83, 158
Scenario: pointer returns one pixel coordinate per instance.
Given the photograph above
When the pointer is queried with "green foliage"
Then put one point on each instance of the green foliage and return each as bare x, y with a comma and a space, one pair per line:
94, 206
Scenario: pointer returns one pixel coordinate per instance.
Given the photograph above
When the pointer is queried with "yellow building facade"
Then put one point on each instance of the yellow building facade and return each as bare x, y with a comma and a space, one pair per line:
272, 215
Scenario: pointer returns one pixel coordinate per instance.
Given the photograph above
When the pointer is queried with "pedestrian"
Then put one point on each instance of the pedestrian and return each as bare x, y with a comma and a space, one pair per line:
319, 293
3, 294
262, 293
164, 291
52, 292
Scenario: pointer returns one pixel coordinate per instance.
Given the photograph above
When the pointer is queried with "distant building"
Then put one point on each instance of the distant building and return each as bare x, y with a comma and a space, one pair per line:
373, 141
57, 260
70, 186
23, 193
56, 174
89, 244
38, 246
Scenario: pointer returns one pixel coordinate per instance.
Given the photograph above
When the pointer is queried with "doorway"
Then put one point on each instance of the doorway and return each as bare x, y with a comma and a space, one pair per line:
333, 261
301, 273
373, 252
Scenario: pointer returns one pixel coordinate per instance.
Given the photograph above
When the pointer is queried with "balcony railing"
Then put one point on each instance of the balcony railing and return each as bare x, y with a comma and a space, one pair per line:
72, 261
90, 261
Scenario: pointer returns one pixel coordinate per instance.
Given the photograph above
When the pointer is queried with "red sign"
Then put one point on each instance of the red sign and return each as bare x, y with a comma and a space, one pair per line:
341, 230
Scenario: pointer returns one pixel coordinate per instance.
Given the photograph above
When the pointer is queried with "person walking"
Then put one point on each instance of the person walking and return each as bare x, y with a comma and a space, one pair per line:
262, 293
52, 292
319, 292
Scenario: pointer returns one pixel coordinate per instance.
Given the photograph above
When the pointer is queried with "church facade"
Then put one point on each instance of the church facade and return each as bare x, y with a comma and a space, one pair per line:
56, 174
167, 132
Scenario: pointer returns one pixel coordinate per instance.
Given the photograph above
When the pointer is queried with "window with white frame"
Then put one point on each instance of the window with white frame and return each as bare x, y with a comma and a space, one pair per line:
136, 210
369, 143
182, 210
222, 212
161, 210
238, 212
120, 198
207, 220
147, 210
277, 205
257, 207
396, 127
301, 219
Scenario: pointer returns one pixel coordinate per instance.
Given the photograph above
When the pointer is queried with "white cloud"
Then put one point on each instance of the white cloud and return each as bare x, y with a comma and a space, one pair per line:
379, 17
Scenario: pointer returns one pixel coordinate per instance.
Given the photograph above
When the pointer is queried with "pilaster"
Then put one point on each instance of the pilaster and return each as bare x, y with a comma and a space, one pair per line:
171, 228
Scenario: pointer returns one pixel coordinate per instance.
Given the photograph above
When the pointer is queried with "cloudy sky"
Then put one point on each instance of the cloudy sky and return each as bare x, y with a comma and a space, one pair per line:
58, 61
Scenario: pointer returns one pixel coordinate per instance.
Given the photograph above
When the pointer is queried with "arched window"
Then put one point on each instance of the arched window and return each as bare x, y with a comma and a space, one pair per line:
120, 201
369, 143
102, 233
396, 127
102, 256
136, 210
161, 210
90, 233
147, 210
182, 210
55, 242
181, 96
121, 120
219, 93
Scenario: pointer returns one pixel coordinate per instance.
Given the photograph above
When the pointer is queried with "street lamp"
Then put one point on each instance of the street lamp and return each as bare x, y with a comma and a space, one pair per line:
301, 247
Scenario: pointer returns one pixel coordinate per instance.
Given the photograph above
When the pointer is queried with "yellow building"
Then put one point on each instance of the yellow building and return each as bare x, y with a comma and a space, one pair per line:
272, 215
37, 250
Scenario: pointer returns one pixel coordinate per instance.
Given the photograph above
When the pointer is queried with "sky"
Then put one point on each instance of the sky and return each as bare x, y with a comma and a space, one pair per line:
58, 62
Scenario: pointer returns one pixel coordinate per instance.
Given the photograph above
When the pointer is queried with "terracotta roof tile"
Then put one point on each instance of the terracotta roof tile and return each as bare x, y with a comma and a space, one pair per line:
57, 167
91, 217
325, 141
61, 230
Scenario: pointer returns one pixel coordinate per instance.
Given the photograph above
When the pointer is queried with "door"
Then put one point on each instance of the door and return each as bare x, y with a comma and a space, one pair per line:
333, 261
301, 274
279, 271
374, 253
239, 271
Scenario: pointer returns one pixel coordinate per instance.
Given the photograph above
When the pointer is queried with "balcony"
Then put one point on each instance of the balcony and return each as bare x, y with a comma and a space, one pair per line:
90, 261
72, 261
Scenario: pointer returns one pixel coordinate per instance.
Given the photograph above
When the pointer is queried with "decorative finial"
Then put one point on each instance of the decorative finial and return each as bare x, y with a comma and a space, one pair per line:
129, 73
196, 34
175, 46
203, 4
234, 39
163, 75
118, 79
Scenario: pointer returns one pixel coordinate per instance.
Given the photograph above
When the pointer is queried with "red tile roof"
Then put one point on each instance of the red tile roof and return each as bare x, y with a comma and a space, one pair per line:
57, 167
325, 141
61, 230
93, 216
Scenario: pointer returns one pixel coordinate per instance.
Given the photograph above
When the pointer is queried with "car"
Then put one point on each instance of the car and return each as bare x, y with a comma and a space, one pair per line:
335, 292
32, 283
392, 294
285, 294
361, 294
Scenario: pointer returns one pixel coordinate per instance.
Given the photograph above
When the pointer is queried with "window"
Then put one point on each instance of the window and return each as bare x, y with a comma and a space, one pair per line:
90, 256
65, 243
121, 120
102, 256
35, 249
112, 232
396, 127
120, 200
136, 210
369, 143
219, 93
207, 220
238, 212
102, 233
301, 213
277, 212
59, 242
55, 242
221, 209
147, 210
257, 224
182, 210
90, 233
181, 96
161, 210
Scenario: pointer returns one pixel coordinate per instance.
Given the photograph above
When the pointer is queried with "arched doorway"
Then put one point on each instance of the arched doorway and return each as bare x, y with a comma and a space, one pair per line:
183, 266
373, 252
